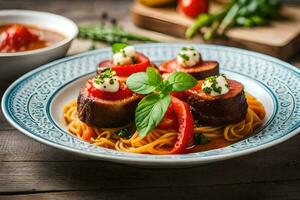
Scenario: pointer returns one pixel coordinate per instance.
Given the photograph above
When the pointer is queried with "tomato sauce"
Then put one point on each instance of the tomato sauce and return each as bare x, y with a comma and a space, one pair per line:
20, 37
214, 143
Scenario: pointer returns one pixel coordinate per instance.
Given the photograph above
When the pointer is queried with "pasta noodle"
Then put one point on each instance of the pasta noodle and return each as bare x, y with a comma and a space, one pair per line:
162, 141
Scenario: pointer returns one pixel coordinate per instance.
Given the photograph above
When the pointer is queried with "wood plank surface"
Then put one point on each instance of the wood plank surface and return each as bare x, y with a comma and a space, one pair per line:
31, 170
251, 191
28, 165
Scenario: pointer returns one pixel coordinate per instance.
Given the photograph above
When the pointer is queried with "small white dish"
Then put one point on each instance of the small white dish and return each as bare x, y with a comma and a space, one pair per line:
16, 64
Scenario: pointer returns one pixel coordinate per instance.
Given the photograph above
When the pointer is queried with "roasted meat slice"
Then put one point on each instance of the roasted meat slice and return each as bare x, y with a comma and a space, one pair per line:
202, 70
219, 110
105, 113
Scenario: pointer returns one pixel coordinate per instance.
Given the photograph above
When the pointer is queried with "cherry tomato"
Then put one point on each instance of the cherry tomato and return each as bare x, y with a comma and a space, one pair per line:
142, 62
193, 8
123, 93
16, 38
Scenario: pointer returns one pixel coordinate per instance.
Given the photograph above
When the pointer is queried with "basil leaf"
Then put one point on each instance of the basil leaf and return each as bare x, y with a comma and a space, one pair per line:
181, 81
150, 112
116, 47
139, 83
155, 79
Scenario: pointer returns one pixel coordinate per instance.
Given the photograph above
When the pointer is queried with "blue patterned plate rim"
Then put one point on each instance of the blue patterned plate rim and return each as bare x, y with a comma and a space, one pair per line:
137, 158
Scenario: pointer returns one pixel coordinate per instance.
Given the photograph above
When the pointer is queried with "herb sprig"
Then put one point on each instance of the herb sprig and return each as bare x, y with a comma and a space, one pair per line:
152, 108
106, 73
117, 47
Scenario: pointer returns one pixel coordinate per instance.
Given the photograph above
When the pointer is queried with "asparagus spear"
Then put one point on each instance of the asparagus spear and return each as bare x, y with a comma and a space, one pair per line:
206, 20
110, 34
228, 20
246, 13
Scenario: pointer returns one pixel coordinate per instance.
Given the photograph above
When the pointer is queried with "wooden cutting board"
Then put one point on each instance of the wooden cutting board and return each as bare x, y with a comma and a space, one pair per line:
280, 39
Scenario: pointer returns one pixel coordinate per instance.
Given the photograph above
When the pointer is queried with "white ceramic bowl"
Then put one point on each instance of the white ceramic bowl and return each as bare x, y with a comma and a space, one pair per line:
13, 65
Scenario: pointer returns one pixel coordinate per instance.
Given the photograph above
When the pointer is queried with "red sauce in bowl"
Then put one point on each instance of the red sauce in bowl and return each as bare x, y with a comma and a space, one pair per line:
20, 37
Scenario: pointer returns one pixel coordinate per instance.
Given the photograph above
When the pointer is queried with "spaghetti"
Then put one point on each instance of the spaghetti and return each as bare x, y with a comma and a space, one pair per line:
162, 141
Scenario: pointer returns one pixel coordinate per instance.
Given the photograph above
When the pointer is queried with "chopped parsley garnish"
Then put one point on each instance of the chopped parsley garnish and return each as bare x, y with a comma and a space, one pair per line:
200, 139
106, 73
111, 81
213, 86
207, 89
186, 48
185, 57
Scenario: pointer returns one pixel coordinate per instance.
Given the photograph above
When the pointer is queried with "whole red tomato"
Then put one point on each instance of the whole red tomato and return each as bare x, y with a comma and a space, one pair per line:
193, 8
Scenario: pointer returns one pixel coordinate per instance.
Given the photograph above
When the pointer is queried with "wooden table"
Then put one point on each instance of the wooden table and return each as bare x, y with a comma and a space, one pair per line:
30, 170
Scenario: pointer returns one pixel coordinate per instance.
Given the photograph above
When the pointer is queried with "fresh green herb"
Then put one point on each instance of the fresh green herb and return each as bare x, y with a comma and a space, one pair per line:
111, 81
217, 89
150, 112
213, 86
183, 49
244, 13
153, 107
184, 56
207, 90
110, 34
154, 78
200, 139
117, 47
139, 83
124, 133
106, 73
180, 81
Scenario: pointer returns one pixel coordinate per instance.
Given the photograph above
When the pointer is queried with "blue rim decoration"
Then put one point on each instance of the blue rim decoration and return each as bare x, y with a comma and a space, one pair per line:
26, 103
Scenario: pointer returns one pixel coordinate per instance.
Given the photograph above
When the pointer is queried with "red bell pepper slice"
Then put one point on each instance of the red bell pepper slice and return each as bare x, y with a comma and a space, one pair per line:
185, 125
169, 121
142, 62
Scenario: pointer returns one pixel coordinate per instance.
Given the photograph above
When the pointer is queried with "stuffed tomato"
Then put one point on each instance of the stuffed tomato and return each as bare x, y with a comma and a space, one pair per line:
125, 61
105, 101
189, 61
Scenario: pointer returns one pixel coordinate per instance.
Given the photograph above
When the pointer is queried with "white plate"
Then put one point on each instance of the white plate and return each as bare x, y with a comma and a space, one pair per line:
33, 104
